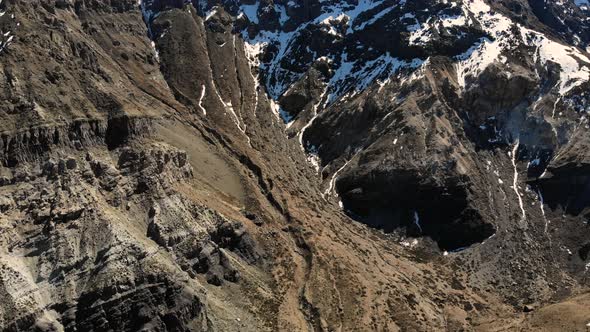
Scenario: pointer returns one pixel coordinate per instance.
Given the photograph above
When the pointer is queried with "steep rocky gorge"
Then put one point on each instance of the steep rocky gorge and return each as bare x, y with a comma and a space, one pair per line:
272, 165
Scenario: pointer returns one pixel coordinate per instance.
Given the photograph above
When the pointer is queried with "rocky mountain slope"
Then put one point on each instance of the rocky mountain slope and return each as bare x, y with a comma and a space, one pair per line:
263, 165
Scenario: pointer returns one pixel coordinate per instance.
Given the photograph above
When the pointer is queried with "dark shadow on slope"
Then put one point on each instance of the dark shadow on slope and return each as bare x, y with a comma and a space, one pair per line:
404, 201
567, 187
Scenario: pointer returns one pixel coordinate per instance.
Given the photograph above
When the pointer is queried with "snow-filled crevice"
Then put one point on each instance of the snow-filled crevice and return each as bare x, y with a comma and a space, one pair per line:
203, 91
331, 190
513, 155
542, 206
252, 53
417, 221
312, 156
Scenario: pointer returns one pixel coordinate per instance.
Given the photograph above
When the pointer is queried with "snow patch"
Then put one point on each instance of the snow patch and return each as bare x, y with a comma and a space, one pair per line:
417, 221
204, 89
515, 179
251, 12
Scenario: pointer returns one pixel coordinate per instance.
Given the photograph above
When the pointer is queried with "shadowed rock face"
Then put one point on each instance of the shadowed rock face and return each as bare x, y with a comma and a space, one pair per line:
565, 182
567, 189
564, 18
405, 200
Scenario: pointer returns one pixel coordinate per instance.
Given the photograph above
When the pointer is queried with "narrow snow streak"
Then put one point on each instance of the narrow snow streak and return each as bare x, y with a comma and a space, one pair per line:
315, 115
201, 100
417, 220
229, 107
542, 203
252, 53
332, 185
555, 107
515, 180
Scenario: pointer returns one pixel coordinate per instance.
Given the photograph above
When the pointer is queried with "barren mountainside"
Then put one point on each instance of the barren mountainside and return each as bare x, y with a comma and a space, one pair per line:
313, 165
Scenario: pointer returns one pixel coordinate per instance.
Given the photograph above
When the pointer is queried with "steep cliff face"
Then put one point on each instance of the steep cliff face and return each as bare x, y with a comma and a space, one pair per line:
280, 165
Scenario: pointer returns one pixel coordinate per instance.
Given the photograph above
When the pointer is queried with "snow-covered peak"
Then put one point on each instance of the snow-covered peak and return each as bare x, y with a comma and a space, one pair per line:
506, 36
370, 40
363, 42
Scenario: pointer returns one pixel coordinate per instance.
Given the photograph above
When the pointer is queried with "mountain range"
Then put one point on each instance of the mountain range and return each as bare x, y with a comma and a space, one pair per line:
301, 165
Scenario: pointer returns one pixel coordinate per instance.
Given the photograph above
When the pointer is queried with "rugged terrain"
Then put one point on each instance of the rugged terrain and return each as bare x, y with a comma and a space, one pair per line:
334, 165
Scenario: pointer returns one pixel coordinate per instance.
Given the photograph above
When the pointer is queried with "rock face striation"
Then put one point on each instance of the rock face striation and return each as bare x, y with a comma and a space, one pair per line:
260, 165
